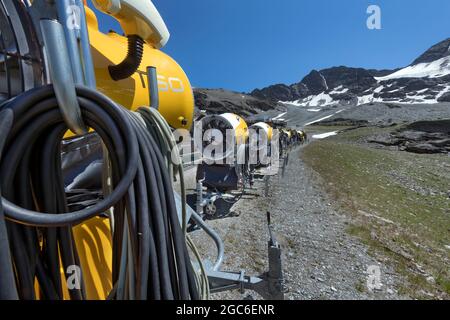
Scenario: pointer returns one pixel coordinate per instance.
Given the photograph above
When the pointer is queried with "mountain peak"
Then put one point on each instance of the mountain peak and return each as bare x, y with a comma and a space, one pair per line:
436, 52
315, 82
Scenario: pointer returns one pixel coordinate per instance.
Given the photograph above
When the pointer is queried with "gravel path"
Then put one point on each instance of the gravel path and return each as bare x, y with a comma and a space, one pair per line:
320, 261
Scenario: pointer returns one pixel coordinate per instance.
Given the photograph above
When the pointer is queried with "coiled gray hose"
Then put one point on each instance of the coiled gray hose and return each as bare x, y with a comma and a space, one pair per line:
156, 123
150, 256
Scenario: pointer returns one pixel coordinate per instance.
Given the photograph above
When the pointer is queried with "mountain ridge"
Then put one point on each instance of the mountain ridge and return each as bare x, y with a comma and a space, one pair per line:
420, 82
425, 80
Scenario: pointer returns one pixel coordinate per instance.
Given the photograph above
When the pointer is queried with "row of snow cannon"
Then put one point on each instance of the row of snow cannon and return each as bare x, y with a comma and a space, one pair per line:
290, 138
249, 138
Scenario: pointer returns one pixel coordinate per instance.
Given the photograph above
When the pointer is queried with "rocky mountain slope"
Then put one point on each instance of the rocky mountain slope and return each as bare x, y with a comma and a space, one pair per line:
215, 101
426, 80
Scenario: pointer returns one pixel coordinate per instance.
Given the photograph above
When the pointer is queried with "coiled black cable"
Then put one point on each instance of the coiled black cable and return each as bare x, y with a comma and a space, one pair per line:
150, 257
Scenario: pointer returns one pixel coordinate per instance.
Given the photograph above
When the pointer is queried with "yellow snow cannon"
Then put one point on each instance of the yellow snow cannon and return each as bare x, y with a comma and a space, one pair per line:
122, 67
263, 134
267, 129
302, 135
223, 122
121, 62
224, 142
288, 135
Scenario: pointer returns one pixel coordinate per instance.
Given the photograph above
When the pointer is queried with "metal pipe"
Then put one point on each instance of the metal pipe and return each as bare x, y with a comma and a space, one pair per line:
199, 193
86, 54
60, 72
152, 79
216, 238
67, 14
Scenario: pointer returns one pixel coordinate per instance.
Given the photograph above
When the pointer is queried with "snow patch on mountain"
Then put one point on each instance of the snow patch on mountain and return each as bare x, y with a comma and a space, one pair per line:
315, 103
435, 69
324, 135
339, 90
377, 90
324, 81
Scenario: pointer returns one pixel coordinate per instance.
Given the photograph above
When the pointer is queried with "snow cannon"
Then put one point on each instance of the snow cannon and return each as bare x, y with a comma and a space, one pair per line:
224, 142
288, 137
126, 65
296, 138
261, 135
302, 135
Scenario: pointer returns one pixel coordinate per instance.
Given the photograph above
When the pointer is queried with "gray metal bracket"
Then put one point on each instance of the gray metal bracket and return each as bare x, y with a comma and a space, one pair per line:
67, 53
61, 74
269, 285
207, 199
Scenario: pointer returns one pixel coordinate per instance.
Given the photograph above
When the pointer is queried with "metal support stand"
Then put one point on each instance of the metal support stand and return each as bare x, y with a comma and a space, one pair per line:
67, 52
284, 165
205, 204
275, 275
199, 193
58, 60
269, 285
266, 186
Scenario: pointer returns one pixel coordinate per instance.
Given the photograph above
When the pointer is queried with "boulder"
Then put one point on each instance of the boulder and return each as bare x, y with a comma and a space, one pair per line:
423, 148
445, 97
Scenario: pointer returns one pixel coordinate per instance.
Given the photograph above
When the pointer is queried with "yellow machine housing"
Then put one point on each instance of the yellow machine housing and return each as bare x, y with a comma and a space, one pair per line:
287, 132
239, 125
223, 123
228, 121
175, 92
263, 139
266, 128
302, 134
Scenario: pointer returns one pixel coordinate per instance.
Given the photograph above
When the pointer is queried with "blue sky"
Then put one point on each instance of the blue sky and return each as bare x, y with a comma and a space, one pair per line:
245, 44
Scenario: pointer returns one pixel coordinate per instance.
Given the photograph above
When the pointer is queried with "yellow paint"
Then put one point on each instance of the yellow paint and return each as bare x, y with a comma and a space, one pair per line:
302, 134
94, 244
267, 128
241, 131
288, 132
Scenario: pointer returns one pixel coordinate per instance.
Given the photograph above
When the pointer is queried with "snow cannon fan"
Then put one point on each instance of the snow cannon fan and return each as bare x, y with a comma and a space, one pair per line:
224, 137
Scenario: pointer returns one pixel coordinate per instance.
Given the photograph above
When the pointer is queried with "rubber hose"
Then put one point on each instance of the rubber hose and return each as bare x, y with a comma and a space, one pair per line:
131, 62
42, 101
158, 126
150, 256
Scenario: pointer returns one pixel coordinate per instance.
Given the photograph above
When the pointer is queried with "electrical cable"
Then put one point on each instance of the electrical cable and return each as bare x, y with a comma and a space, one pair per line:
150, 254
156, 124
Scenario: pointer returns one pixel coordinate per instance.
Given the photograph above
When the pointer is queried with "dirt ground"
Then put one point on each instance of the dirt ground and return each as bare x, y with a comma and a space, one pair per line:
320, 259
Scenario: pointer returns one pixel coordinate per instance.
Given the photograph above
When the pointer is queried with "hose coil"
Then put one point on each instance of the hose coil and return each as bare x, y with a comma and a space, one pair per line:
150, 256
